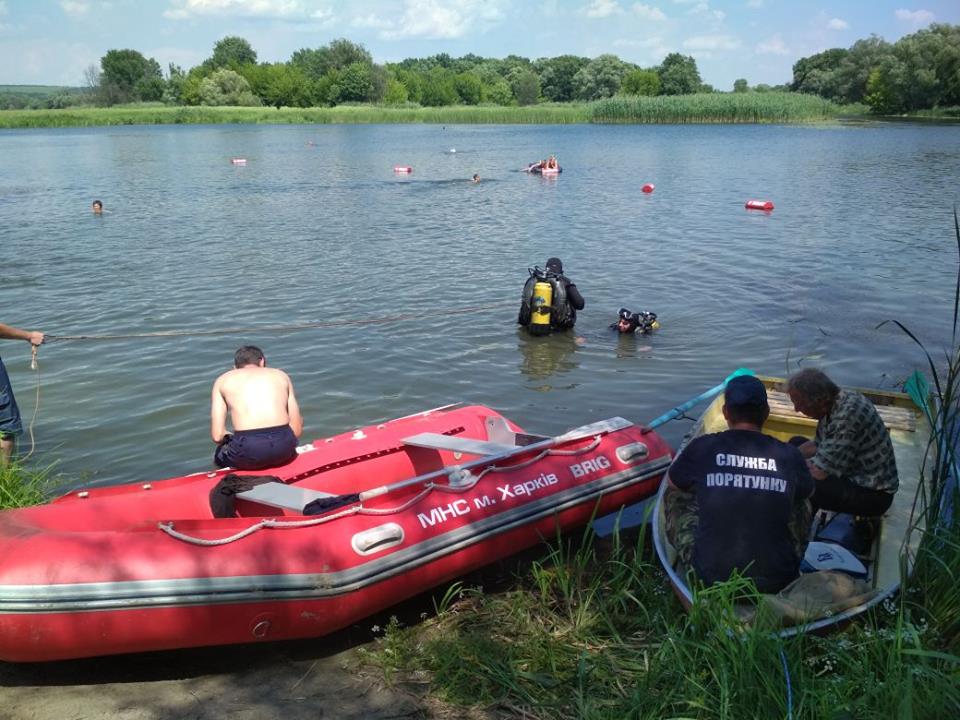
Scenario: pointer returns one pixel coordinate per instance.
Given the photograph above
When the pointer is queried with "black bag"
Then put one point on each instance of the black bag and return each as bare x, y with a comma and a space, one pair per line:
222, 495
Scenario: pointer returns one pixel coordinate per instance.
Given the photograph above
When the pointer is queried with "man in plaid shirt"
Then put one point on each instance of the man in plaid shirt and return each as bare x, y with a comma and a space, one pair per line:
851, 457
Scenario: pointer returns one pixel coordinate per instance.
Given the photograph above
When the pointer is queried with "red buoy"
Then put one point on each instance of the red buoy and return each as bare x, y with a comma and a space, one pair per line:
403, 169
648, 187
759, 205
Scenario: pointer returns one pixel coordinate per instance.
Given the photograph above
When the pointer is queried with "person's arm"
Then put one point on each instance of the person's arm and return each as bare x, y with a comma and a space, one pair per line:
808, 449
576, 299
8, 332
218, 414
293, 411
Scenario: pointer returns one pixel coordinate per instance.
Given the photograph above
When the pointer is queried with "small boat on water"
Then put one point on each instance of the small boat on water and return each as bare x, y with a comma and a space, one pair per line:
355, 524
879, 559
537, 168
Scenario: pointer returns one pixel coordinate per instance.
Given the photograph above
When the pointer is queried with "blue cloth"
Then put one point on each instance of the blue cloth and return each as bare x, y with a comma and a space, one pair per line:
257, 449
746, 485
9, 412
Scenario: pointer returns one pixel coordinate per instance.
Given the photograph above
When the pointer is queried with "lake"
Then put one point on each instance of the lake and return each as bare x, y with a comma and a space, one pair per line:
316, 228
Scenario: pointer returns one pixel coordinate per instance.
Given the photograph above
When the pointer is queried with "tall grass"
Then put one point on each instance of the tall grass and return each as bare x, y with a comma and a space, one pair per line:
357, 114
20, 486
717, 108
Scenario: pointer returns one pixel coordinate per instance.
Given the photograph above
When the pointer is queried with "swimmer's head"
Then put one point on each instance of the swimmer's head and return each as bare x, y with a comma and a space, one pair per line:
97, 207
476, 178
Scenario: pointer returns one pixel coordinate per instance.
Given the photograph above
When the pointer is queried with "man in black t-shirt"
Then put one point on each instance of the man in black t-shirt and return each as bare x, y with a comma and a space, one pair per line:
746, 486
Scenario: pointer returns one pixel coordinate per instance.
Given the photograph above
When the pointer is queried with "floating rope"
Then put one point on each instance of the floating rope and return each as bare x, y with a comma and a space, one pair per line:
269, 523
281, 328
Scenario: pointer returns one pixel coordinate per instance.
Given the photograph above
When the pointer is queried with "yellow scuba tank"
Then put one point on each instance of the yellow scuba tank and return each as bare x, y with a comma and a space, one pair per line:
540, 306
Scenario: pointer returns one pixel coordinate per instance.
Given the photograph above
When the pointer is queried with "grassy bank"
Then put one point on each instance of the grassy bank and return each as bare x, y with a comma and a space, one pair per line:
21, 486
703, 108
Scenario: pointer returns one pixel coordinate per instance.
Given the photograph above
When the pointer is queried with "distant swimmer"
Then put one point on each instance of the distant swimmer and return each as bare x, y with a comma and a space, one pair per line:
97, 207
475, 178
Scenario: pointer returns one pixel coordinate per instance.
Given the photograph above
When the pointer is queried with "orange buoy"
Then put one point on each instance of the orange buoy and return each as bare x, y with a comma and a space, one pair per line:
648, 187
403, 169
238, 161
759, 205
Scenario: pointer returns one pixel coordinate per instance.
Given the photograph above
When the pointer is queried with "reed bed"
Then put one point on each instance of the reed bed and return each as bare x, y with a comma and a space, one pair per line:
717, 108
355, 114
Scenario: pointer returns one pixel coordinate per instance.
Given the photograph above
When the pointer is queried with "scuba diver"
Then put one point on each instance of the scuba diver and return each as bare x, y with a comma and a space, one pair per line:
550, 300
641, 323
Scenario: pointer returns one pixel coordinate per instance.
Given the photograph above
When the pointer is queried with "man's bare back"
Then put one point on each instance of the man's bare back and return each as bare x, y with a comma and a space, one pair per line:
262, 409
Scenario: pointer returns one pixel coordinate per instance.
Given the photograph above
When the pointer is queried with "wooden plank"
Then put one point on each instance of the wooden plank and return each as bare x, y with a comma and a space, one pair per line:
895, 418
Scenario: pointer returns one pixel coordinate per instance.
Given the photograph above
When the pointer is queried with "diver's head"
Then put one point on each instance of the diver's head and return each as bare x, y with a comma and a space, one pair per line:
627, 321
555, 265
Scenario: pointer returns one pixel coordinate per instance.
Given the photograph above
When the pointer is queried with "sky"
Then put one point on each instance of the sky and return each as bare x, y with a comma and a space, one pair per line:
52, 42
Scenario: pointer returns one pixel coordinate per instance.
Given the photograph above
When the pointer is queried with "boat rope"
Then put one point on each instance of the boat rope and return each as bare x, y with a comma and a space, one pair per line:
270, 523
380, 320
35, 366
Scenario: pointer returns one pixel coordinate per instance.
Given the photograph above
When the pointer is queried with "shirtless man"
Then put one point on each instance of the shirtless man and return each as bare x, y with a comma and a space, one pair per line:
263, 411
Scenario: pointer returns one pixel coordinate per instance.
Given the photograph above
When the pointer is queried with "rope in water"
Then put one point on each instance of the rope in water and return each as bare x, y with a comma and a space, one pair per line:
359, 509
283, 328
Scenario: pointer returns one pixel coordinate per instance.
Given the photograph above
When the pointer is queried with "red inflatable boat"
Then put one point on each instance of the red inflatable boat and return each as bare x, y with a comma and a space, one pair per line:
358, 522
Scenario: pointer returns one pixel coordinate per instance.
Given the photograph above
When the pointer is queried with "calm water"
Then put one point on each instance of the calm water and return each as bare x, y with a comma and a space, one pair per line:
316, 228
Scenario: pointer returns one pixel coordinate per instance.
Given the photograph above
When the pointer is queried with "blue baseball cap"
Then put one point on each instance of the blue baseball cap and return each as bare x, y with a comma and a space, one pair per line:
746, 390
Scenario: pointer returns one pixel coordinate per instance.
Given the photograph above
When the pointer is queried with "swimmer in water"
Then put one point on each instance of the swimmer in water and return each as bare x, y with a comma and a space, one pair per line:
475, 178
97, 207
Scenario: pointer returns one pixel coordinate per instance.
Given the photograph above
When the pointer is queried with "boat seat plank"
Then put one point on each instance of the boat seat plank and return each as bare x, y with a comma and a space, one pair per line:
470, 446
895, 418
279, 495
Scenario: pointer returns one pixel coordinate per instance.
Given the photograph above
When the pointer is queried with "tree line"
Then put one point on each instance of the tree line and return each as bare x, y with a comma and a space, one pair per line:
918, 71
344, 72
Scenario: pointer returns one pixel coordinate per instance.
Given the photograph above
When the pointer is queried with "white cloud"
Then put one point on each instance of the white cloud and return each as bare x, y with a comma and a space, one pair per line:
182, 9
837, 24
371, 20
73, 7
711, 42
602, 8
915, 17
445, 19
648, 12
755, 3
773, 45
703, 8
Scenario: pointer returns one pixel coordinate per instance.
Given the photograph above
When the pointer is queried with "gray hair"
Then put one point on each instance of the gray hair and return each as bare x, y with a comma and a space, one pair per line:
814, 386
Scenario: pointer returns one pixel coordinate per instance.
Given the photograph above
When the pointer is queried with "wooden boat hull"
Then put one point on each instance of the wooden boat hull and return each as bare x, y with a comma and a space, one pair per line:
910, 434
147, 567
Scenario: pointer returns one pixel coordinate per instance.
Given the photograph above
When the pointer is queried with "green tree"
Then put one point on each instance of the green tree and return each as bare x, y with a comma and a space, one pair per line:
339, 54
396, 93
354, 83
817, 74
740, 85
438, 88
226, 87
526, 87
879, 95
854, 70
232, 52
279, 84
600, 78
412, 81
498, 92
469, 88
557, 76
641, 82
123, 73
679, 75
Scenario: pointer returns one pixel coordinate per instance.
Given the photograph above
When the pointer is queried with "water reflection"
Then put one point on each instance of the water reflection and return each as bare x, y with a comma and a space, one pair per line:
542, 357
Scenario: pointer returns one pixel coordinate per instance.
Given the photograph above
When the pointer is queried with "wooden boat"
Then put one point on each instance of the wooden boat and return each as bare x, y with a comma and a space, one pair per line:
910, 433
404, 506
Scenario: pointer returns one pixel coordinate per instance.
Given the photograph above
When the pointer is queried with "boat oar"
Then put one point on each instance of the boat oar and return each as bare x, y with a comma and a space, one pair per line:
322, 505
681, 409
